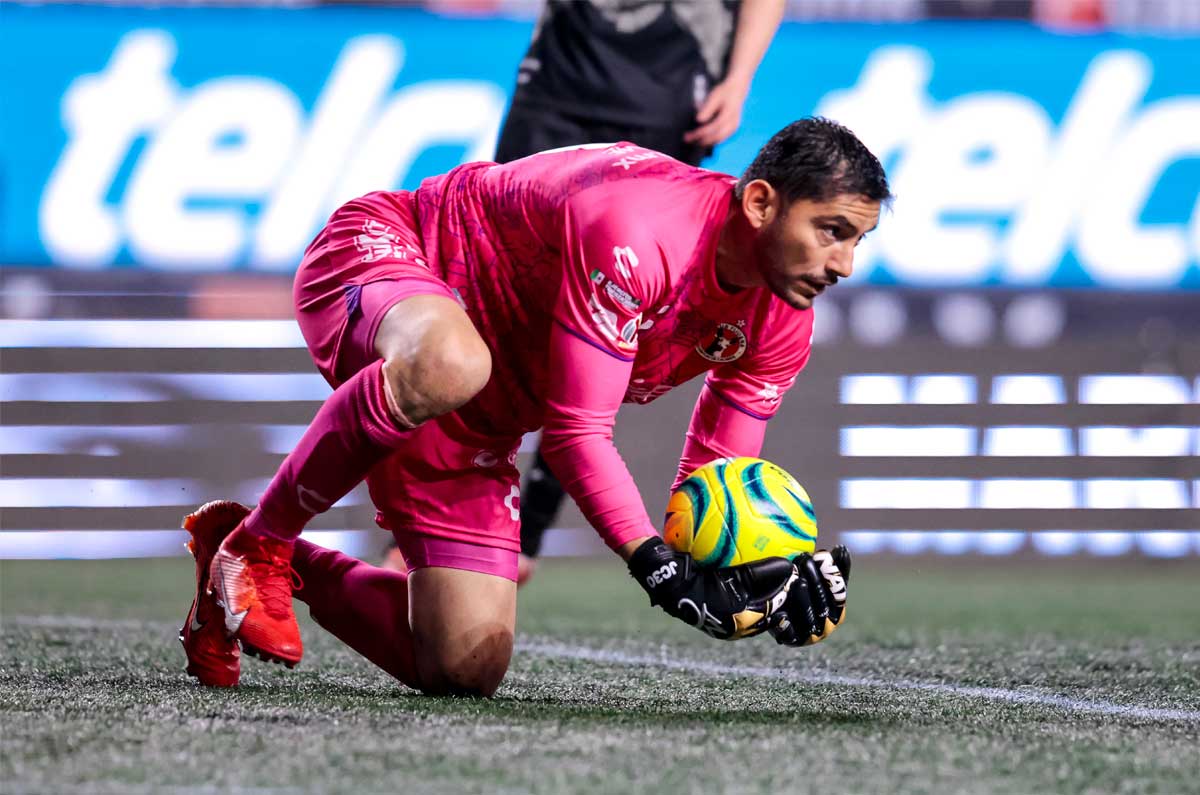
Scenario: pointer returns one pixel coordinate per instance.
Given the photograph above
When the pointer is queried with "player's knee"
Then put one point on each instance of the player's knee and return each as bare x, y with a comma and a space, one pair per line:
461, 368
443, 377
474, 669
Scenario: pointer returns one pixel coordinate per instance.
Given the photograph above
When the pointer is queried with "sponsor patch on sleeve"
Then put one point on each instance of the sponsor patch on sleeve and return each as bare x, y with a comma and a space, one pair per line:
621, 297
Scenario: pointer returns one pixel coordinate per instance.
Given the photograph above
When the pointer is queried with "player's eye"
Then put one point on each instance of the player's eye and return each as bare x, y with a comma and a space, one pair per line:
861, 239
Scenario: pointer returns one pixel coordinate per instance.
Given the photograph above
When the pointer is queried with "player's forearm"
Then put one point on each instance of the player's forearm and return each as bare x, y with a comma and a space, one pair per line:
591, 470
581, 407
758, 20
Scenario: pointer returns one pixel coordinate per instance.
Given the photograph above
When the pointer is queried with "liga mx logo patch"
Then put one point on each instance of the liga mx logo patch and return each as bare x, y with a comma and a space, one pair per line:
725, 344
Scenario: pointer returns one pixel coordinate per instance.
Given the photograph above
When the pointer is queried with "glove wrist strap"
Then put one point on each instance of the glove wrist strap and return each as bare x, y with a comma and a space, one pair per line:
658, 569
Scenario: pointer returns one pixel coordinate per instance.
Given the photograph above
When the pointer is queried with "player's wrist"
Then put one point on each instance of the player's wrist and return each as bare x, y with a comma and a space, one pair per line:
663, 573
630, 548
739, 80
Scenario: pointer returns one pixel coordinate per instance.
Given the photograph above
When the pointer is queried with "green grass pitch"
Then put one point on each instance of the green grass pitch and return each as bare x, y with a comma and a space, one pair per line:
990, 677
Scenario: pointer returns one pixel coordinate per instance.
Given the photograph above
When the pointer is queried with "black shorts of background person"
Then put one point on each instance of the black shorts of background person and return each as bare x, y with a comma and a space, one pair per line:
528, 130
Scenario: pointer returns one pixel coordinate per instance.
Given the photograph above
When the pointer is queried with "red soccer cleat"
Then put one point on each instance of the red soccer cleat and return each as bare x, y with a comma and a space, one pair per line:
251, 580
212, 656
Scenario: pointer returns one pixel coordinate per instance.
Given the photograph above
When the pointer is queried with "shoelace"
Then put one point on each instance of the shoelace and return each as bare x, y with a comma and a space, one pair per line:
275, 579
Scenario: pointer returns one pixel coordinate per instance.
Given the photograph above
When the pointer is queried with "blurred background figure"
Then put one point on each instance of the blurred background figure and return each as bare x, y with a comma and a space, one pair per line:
667, 76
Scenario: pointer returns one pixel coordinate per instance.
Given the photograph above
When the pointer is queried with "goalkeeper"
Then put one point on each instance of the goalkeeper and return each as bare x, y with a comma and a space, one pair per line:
497, 299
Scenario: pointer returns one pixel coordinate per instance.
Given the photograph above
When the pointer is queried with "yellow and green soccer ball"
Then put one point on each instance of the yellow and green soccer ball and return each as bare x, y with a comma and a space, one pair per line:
737, 510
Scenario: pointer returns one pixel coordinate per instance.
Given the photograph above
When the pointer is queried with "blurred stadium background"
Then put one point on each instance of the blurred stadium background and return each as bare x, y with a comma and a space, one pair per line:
1014, 370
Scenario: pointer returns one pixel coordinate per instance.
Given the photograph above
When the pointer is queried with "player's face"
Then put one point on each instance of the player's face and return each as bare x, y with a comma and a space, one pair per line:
806, 246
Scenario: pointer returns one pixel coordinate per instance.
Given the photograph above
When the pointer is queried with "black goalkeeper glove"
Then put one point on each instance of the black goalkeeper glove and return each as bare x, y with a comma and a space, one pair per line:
816, 599
729, 603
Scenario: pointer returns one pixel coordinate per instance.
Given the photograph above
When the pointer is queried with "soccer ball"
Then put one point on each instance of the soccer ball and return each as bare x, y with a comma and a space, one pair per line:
736, 510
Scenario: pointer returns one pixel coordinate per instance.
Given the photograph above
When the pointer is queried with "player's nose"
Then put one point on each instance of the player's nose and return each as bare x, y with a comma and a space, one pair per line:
840, 265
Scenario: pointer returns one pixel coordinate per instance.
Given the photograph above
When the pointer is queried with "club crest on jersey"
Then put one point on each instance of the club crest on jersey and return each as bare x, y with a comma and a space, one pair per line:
725, 344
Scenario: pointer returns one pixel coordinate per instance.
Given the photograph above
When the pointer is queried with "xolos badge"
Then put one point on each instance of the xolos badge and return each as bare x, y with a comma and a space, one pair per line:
725, 344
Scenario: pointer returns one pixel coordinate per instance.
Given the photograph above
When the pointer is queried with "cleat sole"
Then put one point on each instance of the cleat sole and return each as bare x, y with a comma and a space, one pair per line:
254, 651
201, 680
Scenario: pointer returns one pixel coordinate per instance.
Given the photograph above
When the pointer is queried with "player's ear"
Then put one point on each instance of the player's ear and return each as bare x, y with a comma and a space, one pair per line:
760, 203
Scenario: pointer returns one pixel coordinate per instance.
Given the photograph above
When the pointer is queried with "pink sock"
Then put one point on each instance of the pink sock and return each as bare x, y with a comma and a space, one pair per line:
351, 433
364, 606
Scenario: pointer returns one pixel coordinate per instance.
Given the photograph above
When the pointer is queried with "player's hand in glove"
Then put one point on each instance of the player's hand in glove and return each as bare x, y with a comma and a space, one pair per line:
816, 599
729, 603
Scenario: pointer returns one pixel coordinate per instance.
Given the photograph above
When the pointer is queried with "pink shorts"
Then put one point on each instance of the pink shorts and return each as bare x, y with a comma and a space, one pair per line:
450, 495
421, 551
364, 243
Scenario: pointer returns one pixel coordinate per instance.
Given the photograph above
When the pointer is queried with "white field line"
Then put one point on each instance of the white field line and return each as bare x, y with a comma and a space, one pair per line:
84, 622
1034, 697
558, 651
13, 788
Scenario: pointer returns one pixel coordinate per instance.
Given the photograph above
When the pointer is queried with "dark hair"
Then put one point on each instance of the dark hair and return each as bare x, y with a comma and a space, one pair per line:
817, 159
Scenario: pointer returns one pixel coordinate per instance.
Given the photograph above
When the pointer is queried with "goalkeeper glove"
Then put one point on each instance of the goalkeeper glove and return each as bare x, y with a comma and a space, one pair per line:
816, 598
729, 603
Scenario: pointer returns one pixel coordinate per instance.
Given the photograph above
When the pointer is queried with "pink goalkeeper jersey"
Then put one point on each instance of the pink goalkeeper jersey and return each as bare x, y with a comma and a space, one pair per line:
590, 273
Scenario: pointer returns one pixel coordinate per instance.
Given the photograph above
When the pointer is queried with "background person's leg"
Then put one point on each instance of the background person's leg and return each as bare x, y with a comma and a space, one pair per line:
541, 498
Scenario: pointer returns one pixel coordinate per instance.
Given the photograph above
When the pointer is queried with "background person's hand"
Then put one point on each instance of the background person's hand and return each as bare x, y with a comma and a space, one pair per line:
720, 115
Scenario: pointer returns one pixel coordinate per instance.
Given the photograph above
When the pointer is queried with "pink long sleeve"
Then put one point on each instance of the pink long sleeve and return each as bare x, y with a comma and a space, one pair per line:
581, 408
719, 429
612, 270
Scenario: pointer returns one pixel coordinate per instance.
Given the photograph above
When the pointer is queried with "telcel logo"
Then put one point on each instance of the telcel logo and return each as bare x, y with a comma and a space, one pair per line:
232, 142
988, 188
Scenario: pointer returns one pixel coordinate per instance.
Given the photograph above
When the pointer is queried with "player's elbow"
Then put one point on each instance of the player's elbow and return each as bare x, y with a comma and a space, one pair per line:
465, 368
564, 440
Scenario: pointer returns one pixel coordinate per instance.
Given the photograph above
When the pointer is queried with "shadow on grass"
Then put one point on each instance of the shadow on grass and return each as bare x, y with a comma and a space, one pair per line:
299, 699
660, 709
